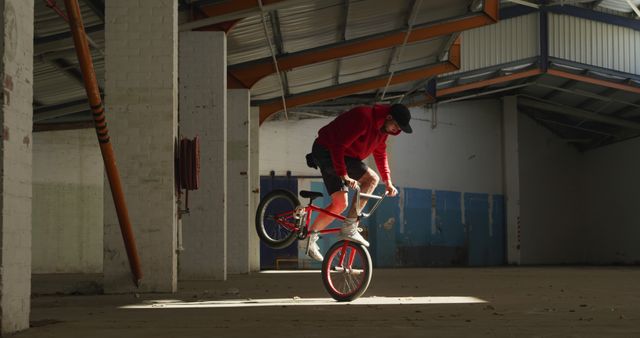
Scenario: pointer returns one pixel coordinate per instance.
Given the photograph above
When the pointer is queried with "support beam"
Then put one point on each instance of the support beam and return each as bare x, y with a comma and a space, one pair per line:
69, 69
254, 185
16, 152
141, 96
396, 52
234, 10
626, 110
555, 93
51, 112
346, 4
38, 41
604, 94
277, 40
272, 106
593, 97
240, 218
247, 74
489, 82
584, 114
590, 14
203, 113
586, 79
97, 6
511, 169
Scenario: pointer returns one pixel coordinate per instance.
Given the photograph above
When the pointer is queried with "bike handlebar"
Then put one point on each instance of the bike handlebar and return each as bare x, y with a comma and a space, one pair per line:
375, 206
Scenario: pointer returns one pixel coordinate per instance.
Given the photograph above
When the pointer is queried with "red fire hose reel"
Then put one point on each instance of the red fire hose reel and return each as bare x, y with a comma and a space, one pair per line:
187, 164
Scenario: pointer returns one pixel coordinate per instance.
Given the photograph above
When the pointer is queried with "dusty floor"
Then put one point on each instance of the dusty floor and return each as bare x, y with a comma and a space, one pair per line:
520, 302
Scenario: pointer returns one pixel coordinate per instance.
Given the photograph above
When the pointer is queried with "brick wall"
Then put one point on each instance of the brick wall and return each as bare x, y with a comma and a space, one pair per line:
203, 112
16, 32
68, 178
141, 109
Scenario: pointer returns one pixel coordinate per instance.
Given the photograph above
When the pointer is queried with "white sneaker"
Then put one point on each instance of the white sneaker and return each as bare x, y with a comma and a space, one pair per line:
313, 250
350, 232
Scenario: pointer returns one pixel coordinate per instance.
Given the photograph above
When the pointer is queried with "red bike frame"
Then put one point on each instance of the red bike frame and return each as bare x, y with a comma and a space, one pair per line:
284, 219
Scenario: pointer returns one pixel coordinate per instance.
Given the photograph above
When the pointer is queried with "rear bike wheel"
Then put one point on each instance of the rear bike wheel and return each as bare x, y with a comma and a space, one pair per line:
347, 271
275, 221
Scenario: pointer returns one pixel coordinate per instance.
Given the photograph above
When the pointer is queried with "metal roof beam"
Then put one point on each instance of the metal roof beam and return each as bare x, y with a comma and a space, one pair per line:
224, 11
489, 82
65, 35
586, 79
571, 111
626, 110
557, 92
248, 73
58, 110
415, 4
270, 107
602, 96
97, 6
69, 69
346, 6
277, 39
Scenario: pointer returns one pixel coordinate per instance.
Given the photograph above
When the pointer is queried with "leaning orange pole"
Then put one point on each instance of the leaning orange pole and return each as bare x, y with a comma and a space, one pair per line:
91, 86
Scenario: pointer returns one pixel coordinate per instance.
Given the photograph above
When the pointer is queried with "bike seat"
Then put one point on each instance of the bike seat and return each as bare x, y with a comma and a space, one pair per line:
310, 194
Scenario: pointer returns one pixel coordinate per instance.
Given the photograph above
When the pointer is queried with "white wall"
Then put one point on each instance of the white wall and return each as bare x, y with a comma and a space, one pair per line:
283, 145
67, 202
550, 197
612, 219
463, 153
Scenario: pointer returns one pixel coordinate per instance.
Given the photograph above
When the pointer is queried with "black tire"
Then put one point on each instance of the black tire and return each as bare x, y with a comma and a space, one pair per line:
278, 233
345, 285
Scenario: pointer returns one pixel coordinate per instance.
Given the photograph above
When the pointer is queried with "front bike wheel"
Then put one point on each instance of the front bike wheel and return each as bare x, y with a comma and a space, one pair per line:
275, 221
347, 271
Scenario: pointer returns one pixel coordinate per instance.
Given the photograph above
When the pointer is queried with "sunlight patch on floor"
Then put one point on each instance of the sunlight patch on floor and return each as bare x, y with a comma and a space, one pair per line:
296, 301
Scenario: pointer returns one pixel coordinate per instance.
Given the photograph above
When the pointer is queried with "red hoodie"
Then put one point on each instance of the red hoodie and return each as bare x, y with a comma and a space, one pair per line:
357, 133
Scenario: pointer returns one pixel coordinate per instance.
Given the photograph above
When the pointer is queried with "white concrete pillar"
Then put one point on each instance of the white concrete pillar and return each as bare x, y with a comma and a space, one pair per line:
16, 120
511, 176
203, 113
141, 110
254, 186
238, 213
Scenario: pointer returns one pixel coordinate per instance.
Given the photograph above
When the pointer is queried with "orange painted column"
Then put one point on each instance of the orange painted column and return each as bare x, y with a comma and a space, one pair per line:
108, 155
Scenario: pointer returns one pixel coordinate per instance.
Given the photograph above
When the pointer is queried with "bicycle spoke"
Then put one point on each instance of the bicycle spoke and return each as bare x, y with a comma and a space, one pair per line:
347, 272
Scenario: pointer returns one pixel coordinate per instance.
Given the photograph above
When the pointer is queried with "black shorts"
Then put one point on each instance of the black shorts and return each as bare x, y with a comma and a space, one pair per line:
355, 168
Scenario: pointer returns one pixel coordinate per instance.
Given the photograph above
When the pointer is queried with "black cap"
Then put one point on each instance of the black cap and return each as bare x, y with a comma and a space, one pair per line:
401, 115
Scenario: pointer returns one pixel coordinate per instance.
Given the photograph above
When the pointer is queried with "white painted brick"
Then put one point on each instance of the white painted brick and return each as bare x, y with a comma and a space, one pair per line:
15, 163
68, 202
203, 112
141, 96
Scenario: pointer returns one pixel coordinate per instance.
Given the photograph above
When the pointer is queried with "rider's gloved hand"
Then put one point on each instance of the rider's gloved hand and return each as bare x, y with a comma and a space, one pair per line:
349, 182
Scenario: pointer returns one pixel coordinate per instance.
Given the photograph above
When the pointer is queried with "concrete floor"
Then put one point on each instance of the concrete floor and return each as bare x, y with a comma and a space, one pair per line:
519, 302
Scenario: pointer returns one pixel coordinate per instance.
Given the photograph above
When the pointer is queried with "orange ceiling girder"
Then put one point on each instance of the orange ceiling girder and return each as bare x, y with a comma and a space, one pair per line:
414, 74
535, 72
245, 75
489, 82
586, 79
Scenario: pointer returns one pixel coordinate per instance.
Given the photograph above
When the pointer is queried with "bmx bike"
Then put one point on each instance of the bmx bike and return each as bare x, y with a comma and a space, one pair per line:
346, 268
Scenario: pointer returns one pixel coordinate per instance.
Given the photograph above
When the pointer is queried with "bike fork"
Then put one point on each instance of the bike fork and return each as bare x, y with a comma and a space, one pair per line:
343, 255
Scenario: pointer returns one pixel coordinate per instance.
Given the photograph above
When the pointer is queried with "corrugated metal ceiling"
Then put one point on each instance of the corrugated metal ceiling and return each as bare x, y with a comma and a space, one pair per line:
308, 24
